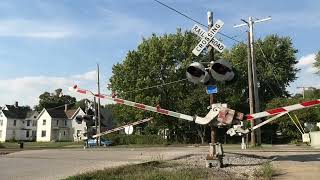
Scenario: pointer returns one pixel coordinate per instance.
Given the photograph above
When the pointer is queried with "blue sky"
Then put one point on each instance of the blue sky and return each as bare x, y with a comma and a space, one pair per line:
47, 44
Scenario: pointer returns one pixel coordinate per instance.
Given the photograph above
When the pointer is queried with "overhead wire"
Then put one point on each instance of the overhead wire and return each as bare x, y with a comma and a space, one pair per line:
277, 81
188, 17
155, 86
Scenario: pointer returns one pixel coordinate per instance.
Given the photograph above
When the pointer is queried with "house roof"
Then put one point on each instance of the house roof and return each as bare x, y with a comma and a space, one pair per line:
70, 113
15, 112
57, 113
32, 114
60, 113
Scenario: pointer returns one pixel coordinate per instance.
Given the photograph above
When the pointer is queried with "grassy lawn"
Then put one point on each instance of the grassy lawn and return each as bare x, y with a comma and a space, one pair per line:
154, 170
41, 145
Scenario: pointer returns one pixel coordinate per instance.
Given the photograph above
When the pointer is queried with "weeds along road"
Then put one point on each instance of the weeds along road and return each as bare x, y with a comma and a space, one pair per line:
290, 162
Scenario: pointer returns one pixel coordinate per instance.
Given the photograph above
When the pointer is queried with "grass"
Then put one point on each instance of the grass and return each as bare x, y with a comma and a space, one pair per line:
41, 145
155, 170
266, 171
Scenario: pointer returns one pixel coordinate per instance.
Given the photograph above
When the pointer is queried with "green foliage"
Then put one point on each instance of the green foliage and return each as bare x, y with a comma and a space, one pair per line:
285, 125
266, 171
50, 100
317, 63
275, 71
154, 170
81, 104
158, 60
123, 139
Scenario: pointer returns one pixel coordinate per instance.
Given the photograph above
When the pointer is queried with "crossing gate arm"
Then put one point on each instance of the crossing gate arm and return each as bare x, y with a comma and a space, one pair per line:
122, 127
285, 109
159, 110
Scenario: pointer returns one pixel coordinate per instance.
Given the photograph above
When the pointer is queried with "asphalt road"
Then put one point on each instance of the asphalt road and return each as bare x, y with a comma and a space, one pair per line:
57, 164
290, 162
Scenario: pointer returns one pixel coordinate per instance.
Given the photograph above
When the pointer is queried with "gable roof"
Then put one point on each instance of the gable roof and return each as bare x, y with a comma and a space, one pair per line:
57, 113
11, 111
60, 113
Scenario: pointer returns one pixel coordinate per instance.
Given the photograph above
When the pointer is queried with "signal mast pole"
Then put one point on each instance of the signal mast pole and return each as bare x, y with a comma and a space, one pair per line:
213, 98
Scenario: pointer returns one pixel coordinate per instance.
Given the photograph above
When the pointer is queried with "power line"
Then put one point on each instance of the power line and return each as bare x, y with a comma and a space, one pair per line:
188, 17
61, 106
156, 86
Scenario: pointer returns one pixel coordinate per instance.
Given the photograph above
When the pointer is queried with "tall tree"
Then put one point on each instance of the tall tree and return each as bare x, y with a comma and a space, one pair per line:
317, 63
275, 58
158, 60
55, 99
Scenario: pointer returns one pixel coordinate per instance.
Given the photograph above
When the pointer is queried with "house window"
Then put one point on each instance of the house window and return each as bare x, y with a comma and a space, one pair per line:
43, 133
64, 133
34, 123
0, 133
28, 122
1, 122
78, 132
57, 122
34, 133
27, 134
44, 122
14, 122
65, 122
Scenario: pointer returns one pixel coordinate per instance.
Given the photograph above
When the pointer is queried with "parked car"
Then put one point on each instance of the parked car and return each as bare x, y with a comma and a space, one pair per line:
93, 142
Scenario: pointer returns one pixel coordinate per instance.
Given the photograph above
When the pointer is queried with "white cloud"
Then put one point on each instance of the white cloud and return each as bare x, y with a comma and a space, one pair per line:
307, 60
91, 75
26, 90
306, 76
34, 29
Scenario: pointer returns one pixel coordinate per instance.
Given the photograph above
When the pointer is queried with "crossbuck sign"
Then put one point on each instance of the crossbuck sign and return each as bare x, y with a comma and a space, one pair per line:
208, 38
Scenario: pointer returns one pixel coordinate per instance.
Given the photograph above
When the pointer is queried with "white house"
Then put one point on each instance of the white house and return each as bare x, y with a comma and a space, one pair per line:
17, 123
59, 125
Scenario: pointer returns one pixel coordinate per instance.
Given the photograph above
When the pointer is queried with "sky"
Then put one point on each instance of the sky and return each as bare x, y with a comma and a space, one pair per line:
49, 44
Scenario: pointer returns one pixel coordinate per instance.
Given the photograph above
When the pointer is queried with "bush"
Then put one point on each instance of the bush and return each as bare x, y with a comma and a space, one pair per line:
266, 171
123, 139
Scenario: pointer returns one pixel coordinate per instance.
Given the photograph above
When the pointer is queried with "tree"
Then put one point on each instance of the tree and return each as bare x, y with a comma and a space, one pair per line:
52, 100
317, 63
284, 123
275, 58
158, 60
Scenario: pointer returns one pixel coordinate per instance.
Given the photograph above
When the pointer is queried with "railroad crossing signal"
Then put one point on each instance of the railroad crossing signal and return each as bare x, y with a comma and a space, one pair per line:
207, 37
215, 43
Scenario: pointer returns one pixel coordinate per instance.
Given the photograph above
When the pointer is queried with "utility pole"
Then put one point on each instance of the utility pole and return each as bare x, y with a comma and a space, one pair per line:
95, 117
213, 98
254, 75
99, 115
251, 104
303, 89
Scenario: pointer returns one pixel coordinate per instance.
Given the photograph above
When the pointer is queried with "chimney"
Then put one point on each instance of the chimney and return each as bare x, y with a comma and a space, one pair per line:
65, 107
16, 104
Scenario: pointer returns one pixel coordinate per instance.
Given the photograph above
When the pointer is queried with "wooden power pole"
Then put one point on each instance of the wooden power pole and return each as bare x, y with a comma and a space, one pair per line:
252, 75
99, 114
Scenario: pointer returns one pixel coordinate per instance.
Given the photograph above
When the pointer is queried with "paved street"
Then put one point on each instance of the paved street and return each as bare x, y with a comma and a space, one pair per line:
57, 164
290, 162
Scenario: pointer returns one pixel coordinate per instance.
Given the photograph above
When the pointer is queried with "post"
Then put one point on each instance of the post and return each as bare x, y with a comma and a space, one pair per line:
251, 105
212, 96
253, 74
95, 118
255, 80
99, 115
